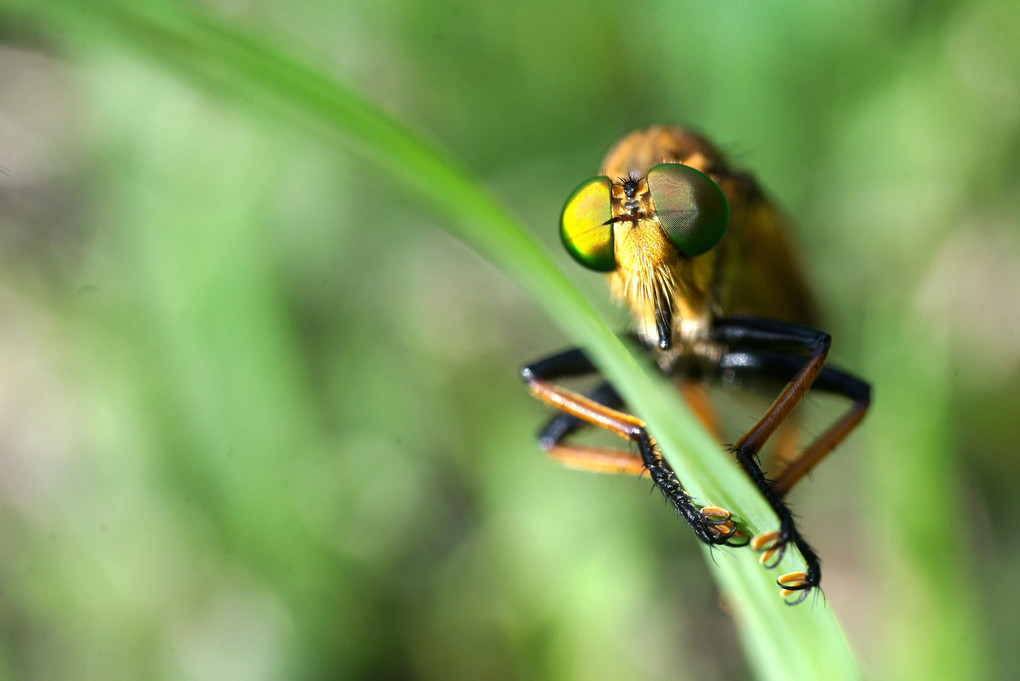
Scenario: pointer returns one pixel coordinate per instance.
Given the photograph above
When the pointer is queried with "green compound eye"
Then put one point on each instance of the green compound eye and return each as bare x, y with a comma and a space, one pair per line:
582, 227
691, 207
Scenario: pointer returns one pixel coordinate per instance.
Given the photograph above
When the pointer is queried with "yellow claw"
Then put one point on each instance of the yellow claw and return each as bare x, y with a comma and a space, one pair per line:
766, 557
771, 546
792, 580
765, 540
721, 522
715, 512
794, 584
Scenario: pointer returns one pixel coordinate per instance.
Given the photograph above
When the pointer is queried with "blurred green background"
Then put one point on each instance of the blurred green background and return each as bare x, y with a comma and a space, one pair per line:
260, 416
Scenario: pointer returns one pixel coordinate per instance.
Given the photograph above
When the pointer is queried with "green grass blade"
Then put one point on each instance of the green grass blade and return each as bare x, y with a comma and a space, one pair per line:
783, 643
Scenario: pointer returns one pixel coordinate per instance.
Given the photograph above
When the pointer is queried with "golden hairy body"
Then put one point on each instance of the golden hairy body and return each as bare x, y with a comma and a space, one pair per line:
753, 270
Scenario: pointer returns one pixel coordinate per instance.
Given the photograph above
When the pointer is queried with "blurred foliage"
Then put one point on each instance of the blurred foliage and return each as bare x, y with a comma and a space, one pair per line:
252, 426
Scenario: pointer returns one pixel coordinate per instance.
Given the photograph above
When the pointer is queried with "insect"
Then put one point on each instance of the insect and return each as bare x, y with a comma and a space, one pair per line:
701, 259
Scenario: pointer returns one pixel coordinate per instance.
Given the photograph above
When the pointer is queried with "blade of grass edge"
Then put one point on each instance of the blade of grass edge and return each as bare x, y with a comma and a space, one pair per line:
782, 642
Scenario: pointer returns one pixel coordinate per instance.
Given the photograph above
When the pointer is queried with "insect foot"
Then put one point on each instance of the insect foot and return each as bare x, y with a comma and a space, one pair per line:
797, 584
772, 546
719, 528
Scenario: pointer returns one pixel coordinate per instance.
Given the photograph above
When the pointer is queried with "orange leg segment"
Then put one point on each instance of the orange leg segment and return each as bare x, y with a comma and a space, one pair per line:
711, 524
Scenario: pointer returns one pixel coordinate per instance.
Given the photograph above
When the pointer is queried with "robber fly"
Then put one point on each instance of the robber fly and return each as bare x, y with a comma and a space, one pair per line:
701, 259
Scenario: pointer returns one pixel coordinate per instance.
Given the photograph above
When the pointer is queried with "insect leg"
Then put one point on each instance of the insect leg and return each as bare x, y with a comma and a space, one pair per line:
829, 380
711, 525
754, 333
552, 439
697, 399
